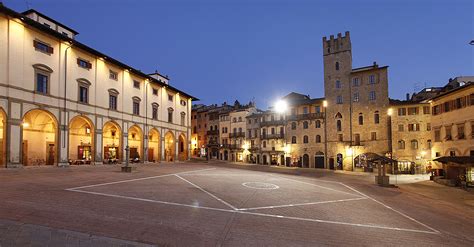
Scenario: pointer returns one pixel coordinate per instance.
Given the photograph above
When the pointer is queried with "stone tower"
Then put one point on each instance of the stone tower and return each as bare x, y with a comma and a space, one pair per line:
357, 104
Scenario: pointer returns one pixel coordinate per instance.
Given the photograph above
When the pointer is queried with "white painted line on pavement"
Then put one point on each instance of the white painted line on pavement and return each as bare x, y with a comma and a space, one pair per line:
138, 179
394, 210
319, 186
303, 204
209, 193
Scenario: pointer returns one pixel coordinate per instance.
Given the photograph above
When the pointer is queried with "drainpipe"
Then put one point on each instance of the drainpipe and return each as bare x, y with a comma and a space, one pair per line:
65, 89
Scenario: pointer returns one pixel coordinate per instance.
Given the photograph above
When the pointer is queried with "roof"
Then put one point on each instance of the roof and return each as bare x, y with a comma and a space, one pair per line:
467, 85
368, 68
294, 99
460, 160
406, 102
86, 48
371, 157
49, 19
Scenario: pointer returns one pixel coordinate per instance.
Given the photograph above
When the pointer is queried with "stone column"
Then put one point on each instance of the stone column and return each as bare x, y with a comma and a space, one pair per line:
124, 146
145, 146
98, 147
176, 153
162, 147
14, 139
63, 145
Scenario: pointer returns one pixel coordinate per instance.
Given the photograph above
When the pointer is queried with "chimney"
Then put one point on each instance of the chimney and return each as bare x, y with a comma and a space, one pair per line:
408, 96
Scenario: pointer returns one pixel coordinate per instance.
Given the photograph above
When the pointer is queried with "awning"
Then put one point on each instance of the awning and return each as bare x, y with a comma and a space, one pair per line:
460, 160
373, 157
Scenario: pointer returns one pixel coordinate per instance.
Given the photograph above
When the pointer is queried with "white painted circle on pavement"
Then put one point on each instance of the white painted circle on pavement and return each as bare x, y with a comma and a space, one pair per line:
260, 186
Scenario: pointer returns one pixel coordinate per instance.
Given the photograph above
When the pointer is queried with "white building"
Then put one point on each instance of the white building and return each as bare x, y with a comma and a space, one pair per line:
62, 102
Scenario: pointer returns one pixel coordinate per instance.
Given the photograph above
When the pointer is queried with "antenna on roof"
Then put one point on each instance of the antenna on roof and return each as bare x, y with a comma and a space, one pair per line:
27, 5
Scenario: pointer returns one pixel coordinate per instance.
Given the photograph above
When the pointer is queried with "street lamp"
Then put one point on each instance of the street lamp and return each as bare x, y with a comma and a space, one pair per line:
325, 106
281, 106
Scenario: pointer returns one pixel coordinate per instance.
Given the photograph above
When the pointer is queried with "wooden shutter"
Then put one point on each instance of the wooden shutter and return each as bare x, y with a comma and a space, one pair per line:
50, 49
35, 43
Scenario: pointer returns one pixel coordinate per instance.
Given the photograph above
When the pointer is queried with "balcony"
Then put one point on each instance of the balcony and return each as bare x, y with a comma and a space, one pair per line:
308, 116
237, 135
273, 123
273, 136
213, 144
254, 148
212, 132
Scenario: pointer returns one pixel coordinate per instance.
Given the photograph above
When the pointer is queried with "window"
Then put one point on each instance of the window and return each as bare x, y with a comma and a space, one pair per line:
113, 75
317, 109
461, 135
412, 110
356, 97
136, 106
170, 97
170, 115
371, 79
437, 133
305, 124
357, 139
42, 83
373, 136
338, 84
446, 107
414, 127
340, 138
136, 84
83, 94
293, 139
43, 47
240, 119
372, 95
339, 99
293, 125
183, 118
264, 144
338, 125
376, 117
448, 133
361, 119
183, 102
452, 153
317, 124
426, 110
305, 139
282, 131
401, 144
355, 82
414, 144
429, 144
113, 101
402, 111
154, 111
401, 128
84, 64
155, 91
318, 138
337, 65
428, 126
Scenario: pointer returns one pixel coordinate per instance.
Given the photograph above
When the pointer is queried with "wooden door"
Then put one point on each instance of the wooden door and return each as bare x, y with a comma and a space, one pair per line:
151, 157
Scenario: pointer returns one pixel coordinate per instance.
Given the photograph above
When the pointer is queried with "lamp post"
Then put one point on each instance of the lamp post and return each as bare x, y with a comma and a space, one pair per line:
281, 107
390, 142
325, 105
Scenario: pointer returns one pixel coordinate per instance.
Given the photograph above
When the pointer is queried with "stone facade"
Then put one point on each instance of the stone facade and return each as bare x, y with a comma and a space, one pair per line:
62, 102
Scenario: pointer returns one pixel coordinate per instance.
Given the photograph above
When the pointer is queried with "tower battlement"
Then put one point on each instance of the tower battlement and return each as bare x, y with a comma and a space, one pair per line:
339, 44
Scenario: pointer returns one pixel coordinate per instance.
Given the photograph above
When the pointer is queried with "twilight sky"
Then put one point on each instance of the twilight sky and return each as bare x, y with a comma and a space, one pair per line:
222, 50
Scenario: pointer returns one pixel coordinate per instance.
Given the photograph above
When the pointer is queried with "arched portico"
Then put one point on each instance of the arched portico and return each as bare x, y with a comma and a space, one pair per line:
39, 143
154, 147
135, 143
182, 148
81, 140
111, 141
170, 147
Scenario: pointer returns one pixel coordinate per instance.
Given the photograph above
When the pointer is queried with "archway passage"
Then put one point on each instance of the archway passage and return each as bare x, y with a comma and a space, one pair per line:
319, 160
3, 134
81, 141
112, 144
305, 160
135, 143
39, 144
154, 154
169, 146
182, 148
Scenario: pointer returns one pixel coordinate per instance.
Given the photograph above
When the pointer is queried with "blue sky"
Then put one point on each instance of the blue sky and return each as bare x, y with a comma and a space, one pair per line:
222, 50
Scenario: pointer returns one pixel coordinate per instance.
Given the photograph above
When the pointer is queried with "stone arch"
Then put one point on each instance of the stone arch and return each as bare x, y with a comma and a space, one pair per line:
135, 143
3, 137
182, 147
112, 142
170, 147
39, 138
154, 145
43, 67
456, 150
81, 140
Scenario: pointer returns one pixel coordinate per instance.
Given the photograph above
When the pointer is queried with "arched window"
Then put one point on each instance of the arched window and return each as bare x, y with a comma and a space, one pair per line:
338, 115
318, 124
264, 144
414, 144
305, 124
361, 119
337, 65
240, 130
293, 139
318, 138
305, 139
235, 130
401, 144
339, 125
293, 125
429, 144
376, 117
